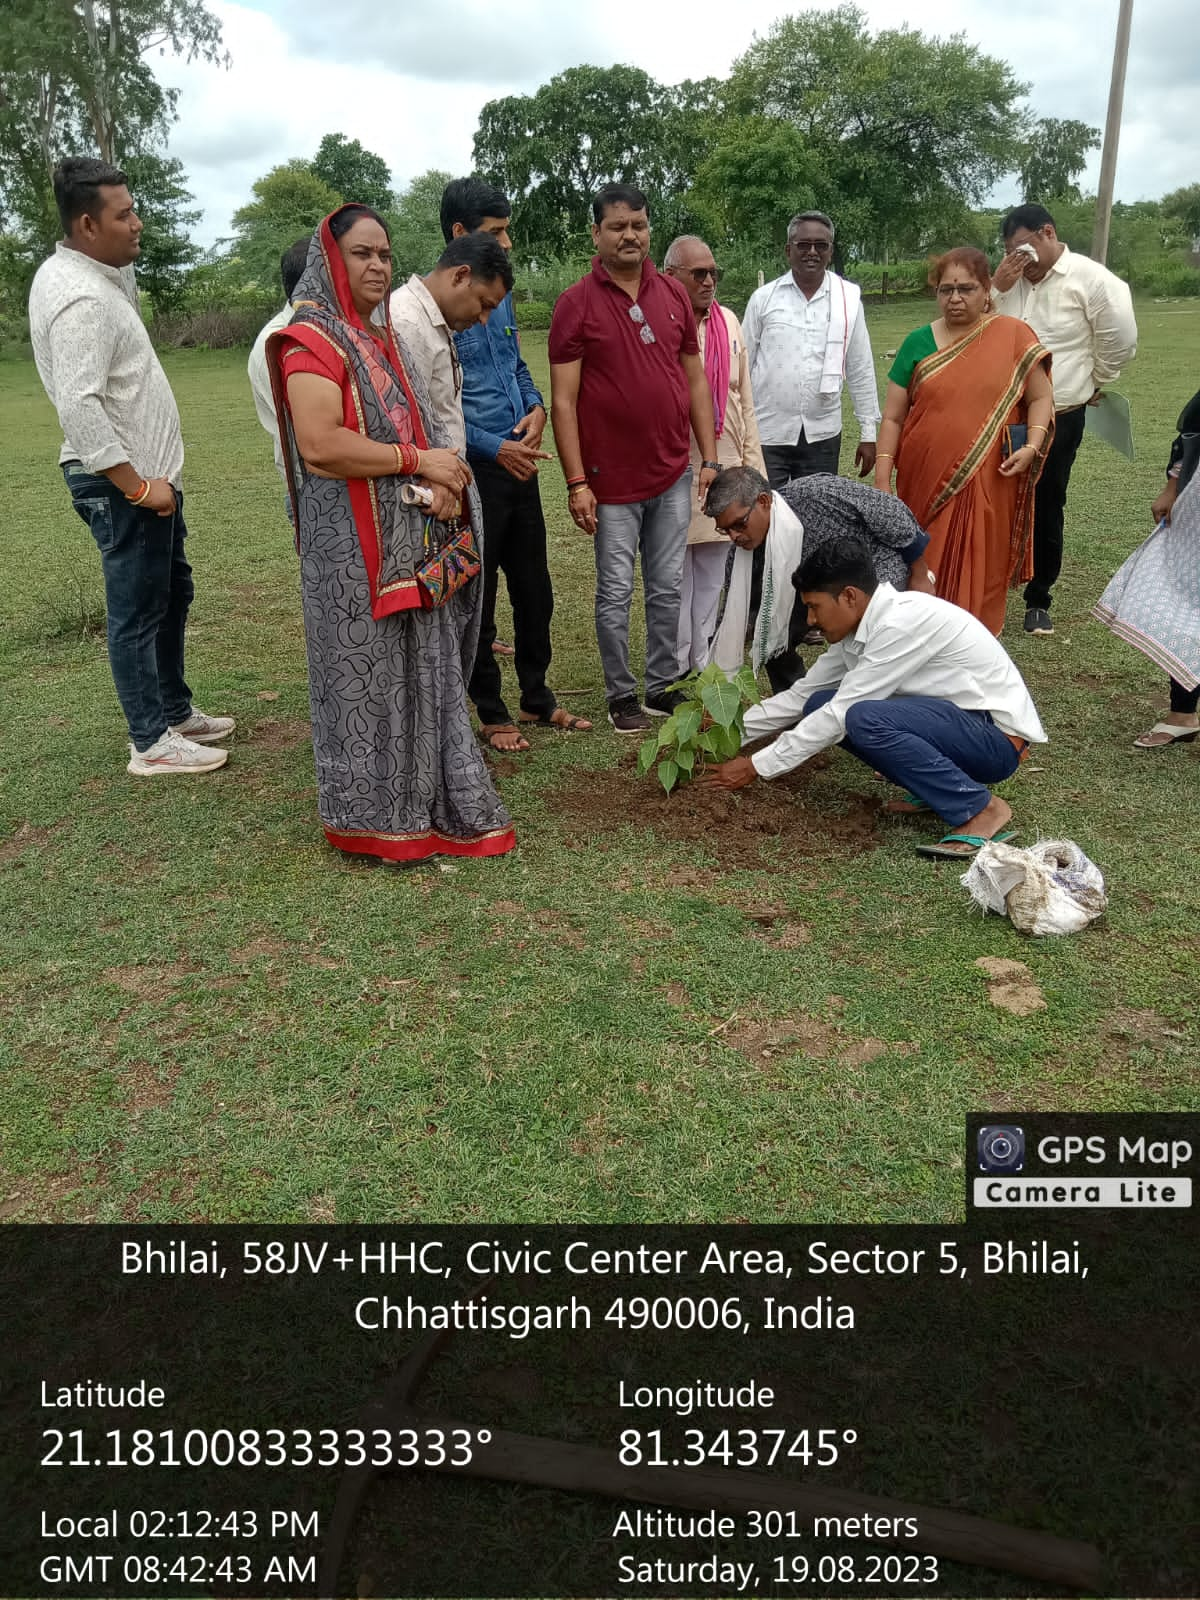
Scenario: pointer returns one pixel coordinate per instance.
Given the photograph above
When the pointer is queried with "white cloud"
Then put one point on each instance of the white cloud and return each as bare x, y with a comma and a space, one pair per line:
410, 84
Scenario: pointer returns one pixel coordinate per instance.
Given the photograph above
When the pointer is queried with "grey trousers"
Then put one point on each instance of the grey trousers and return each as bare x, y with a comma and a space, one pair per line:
658, 530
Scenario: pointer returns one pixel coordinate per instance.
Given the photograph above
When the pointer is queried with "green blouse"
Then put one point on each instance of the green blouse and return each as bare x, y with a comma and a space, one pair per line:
919, 344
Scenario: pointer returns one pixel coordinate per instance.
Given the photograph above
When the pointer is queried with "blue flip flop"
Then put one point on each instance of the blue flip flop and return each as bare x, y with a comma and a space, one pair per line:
943, 851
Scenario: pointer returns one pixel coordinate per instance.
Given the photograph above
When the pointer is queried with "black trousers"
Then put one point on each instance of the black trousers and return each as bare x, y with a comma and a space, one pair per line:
1184, 699
1049, 503
514, 542
800, 460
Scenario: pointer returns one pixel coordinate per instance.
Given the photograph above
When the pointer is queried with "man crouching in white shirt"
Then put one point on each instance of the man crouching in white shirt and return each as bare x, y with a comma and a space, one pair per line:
912, 685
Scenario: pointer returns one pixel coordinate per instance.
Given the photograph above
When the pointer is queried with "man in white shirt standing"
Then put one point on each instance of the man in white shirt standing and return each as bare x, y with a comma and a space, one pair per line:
913, 686
806, 335
291, 270
1083, 314
122, 457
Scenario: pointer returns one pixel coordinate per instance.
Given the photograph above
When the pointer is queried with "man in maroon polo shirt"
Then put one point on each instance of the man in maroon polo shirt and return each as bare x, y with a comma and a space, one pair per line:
628, 385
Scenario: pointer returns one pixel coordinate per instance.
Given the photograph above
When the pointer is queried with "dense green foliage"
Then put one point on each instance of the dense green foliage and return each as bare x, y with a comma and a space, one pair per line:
898, 134
77, 78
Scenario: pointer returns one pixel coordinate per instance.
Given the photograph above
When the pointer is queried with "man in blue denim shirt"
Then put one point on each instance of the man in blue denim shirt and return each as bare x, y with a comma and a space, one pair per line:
505, 418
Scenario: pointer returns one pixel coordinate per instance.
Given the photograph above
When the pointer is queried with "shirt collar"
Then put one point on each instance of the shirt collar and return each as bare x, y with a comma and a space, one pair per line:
428, 304
1061, 264
817, 293
67, 253
599, 270
878, 606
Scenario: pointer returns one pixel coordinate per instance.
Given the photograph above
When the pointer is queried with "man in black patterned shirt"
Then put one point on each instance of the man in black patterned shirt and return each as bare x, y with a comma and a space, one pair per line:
801, 517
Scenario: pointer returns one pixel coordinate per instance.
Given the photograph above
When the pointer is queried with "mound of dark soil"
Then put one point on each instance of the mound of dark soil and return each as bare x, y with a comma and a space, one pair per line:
740, 827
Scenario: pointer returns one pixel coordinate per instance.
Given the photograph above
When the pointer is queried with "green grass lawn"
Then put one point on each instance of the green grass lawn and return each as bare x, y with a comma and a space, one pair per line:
208, 1014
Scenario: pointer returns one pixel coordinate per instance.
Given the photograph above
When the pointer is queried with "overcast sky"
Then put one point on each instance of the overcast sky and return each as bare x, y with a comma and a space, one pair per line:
409, 79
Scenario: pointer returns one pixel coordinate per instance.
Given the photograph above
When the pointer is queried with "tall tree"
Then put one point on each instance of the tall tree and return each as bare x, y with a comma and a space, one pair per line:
1052, 157
165, 206
760, 172
288, 201
1182, 207
76, 78
552, 150
354, 172
416, 224
910, 130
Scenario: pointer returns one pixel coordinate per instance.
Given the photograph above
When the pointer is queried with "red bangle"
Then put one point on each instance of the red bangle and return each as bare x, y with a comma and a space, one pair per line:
573, 483
408, 459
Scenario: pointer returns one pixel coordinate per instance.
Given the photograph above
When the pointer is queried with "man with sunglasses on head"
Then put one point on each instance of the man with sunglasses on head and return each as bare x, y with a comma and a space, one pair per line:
626, 381
727, 368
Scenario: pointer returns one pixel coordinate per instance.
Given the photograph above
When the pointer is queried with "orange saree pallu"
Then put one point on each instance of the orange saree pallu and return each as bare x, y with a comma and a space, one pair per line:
980, 524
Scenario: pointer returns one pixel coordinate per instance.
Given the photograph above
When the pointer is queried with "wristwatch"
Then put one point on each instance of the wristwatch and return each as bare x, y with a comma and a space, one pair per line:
713, 466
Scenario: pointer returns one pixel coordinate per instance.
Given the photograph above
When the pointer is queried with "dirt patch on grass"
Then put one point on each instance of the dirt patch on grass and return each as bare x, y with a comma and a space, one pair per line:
148, 1088
27, 837
764, 1040
560, 929
262, 948
278, 733
675, 995
779, 927
1011, 986
740, 827
147, 983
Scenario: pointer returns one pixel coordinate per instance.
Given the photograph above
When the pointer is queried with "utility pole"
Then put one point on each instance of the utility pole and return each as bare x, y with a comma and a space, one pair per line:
1112, 133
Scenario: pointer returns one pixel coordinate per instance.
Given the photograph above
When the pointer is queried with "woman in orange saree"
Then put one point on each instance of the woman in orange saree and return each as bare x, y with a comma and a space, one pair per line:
957, 388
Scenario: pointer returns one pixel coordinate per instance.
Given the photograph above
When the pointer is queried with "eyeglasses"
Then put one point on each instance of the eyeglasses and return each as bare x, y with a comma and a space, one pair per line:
821, 246
947, 291
636, 314
739, 526
699, 274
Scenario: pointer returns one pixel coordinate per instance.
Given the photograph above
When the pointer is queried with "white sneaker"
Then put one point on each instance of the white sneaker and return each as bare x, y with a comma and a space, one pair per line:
174, 753
200, 728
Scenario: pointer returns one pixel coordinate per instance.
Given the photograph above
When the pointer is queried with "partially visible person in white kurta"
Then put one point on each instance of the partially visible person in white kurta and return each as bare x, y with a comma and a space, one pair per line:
727, 367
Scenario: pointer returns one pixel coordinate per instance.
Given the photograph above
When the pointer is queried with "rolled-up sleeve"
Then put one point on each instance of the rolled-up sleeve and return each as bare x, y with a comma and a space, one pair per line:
81, 342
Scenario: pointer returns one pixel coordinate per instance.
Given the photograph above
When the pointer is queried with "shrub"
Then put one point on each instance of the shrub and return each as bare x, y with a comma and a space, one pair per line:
1168, 280
534, 313
708, 722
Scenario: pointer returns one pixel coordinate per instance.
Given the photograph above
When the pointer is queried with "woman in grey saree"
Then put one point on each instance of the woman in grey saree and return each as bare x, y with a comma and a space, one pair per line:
399, 772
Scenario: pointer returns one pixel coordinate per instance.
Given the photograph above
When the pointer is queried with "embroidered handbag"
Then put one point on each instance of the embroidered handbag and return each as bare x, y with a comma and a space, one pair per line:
450, 567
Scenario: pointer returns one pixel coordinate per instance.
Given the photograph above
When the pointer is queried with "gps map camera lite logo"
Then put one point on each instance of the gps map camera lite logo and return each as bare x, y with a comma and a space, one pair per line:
1001, 1149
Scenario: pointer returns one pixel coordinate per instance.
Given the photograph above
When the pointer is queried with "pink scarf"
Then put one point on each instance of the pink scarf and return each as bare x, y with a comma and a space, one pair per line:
716, 363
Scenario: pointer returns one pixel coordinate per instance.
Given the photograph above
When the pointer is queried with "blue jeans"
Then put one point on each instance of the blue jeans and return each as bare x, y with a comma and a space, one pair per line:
937, 751
658, 528
147, 591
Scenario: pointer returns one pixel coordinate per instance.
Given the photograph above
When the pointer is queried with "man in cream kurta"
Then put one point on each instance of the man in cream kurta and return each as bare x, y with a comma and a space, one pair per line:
690, 260
806, 336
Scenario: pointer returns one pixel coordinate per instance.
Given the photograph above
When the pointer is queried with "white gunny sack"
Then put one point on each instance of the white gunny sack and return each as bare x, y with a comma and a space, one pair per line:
1052, 887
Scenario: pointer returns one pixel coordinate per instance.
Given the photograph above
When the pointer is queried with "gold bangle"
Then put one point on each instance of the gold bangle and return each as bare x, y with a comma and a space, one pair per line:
884, 455
142, 494
575, 488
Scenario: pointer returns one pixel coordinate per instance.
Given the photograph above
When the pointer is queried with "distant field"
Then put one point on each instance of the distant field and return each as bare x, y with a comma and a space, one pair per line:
207, 1014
